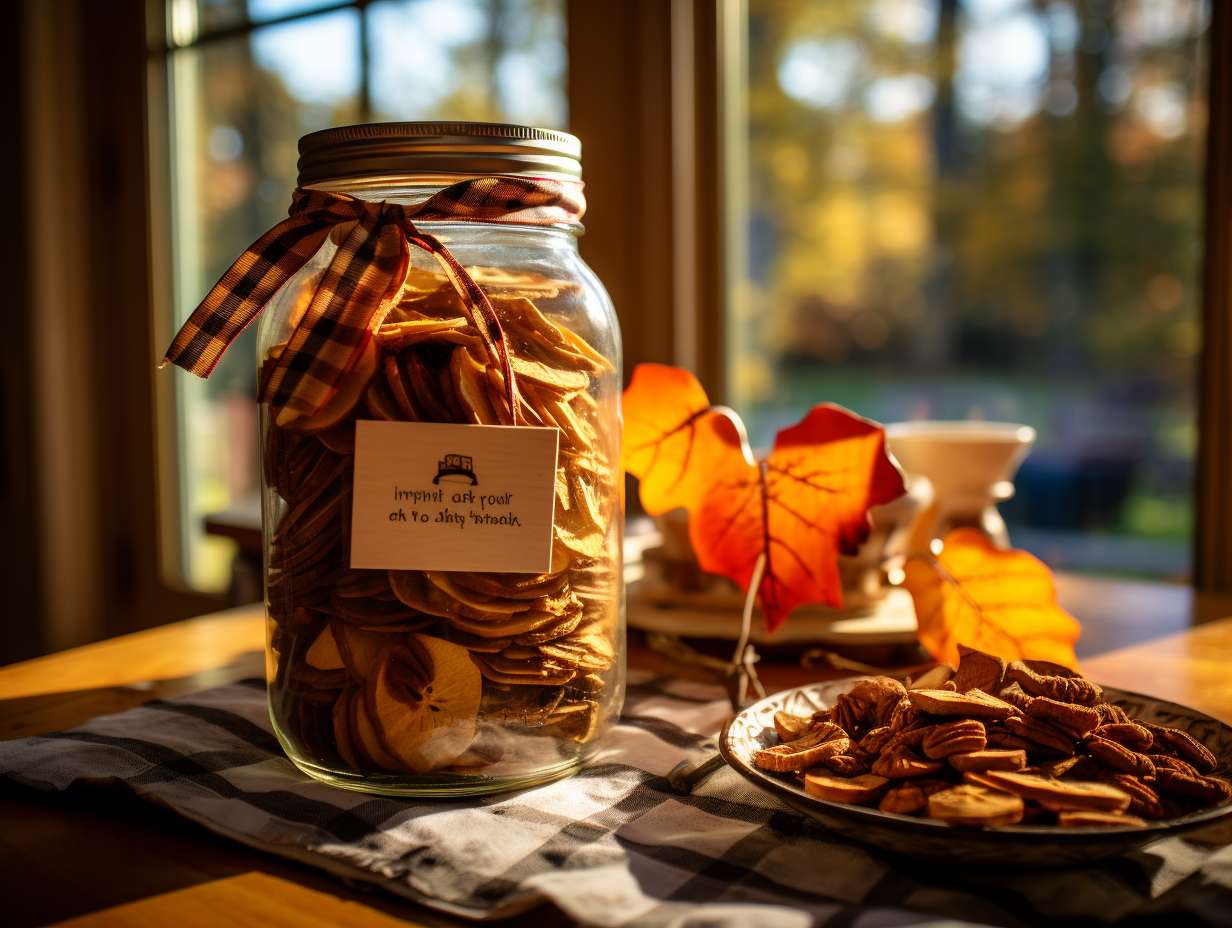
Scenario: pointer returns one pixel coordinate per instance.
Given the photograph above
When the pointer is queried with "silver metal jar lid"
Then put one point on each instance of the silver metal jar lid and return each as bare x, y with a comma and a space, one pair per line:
398, 150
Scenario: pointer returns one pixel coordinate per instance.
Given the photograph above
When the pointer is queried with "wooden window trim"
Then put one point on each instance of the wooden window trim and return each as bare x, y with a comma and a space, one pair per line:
1212, 543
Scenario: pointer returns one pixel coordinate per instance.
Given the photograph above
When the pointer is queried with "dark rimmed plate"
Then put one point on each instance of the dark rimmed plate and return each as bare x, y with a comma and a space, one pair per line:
1022, 845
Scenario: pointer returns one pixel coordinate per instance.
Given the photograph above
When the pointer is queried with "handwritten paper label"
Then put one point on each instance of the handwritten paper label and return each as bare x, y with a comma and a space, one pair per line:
434, 496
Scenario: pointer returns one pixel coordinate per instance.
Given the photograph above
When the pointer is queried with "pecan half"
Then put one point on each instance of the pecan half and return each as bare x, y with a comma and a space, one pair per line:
1128, 734
1040, 733
1015, 696
1060, 768
1206, 790
910, 798
1143, 800
1000, 738
1054, 686
1111, 714
1063, 766
960, 737
848, 765
868, 704
978, 671
910, 738
790, 727
1183, 745
1072, 719
826, 740
876, 739
900, 764
1174, 763
903, 716
1119, 757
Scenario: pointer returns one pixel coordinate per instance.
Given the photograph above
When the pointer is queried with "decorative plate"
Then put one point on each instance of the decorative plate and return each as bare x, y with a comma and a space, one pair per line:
1020, 845
888, 621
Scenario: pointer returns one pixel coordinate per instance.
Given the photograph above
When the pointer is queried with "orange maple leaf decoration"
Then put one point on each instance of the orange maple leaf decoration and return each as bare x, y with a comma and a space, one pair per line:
672, 436
1000, 601
801, 507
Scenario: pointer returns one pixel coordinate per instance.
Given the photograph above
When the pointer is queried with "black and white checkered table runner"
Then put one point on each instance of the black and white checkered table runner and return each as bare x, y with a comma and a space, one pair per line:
611, 846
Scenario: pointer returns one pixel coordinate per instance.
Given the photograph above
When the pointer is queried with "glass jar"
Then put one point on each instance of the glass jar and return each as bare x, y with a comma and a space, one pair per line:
432, 682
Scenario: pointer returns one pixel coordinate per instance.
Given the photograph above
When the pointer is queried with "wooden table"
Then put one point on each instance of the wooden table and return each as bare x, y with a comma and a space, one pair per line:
119, 861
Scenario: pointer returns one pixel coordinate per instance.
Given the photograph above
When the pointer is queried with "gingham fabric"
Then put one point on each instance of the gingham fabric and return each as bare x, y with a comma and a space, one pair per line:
365, 272
611, 846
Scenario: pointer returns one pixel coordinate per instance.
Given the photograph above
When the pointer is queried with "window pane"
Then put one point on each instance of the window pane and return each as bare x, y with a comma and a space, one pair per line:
985, 209
190, 19
239, 107
500, 60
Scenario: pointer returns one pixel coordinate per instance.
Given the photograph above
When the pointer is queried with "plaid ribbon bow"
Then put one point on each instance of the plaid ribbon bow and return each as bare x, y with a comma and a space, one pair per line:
365, 273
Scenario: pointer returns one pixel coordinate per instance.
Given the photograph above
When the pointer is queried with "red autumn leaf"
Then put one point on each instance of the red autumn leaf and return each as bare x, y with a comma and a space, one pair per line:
668, 437
1000, 601
799, 508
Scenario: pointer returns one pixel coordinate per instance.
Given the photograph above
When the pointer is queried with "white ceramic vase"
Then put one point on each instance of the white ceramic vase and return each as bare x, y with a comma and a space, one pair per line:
971, 466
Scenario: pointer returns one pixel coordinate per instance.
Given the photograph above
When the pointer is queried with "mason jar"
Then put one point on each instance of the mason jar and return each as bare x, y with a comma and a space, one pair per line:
442, 579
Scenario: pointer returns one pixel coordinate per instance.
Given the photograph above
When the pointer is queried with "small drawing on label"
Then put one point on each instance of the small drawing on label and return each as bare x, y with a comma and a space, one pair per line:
455, 468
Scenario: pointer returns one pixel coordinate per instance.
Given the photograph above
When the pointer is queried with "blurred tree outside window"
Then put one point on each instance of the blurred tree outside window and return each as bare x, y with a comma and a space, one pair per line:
246, 79
988, 209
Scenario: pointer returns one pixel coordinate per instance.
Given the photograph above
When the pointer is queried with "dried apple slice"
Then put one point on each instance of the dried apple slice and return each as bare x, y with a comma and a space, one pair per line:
484, 606
361, 651
967, 804
323, 654
393, 336
470, 383
367, 739
398, 388
513, 626
429, 727
590, 651
411, 587
561, 380
512, 586
543, 676
582, 540
380, 401
559, 629
427, 390
856, 791
504, 284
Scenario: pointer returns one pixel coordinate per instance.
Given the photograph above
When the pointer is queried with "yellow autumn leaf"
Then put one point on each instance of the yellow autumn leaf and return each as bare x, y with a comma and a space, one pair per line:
1000, 601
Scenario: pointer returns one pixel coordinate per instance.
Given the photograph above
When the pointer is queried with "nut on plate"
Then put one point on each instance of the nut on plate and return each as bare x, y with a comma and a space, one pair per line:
824, 740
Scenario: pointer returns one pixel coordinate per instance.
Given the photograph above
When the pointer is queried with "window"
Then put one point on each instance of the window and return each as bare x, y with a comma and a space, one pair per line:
247, 78
992, 209
929, 208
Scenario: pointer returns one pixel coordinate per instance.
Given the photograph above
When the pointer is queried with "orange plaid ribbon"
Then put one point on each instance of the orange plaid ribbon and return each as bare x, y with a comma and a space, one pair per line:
364, 275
